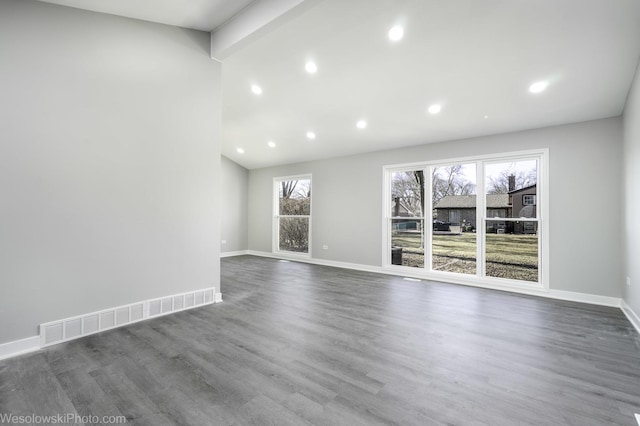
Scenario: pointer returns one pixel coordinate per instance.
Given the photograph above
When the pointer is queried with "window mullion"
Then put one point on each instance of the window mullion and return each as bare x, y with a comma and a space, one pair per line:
428, 229
480, 222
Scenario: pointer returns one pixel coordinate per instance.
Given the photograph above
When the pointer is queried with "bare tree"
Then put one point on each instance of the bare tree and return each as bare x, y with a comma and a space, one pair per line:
294, 234
408, 192
408, 188
295, 197
419, 177
287, 187
295, 200
449, 180
500, 184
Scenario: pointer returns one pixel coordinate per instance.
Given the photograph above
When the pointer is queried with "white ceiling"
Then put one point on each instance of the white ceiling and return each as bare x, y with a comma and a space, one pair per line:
476, 58
204, 15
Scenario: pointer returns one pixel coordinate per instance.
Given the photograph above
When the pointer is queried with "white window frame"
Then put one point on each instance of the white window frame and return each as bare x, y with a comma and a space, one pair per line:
275, 233
479, 279
388, 217
533, 198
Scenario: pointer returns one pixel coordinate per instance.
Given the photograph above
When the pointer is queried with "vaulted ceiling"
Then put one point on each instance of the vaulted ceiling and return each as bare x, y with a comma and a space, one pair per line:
475, 59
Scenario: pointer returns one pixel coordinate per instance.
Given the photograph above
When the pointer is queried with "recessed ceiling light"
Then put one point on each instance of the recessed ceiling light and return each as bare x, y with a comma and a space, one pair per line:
396, 33
538, 86
240, 151
256, 89
486, 117
361, 124
271, 144
311, 67
434, 109
311, 135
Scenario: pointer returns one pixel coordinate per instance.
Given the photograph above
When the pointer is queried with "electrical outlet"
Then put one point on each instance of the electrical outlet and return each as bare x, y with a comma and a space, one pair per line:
629, 281
224, 241
325, 247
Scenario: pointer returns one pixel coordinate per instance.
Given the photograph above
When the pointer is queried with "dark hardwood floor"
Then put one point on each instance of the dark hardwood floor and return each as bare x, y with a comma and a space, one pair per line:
297, 344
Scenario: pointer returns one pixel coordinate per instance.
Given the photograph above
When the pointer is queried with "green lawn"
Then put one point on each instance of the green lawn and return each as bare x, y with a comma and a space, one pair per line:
512, 256
513, 249
462, 246
409, 241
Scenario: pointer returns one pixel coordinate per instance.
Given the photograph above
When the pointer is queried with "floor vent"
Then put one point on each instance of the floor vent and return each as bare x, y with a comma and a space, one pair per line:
64, 330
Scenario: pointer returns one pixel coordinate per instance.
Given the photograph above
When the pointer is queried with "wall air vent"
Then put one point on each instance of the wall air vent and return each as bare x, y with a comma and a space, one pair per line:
67, 329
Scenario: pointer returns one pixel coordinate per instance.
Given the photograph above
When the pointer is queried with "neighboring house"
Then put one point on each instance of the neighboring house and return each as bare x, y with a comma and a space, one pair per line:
461, 209
524, 202
518, 203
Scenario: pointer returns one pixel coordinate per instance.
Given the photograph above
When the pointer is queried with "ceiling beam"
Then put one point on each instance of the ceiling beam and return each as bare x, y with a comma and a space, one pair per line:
252, 22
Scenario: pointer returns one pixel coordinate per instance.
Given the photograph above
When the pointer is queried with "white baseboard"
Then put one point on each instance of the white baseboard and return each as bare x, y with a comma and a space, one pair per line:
19, 347
592, 299
234, 253
553, 294
631, 315
323, 262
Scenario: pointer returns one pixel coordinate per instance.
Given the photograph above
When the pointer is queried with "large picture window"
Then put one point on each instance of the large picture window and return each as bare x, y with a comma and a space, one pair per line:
292, 216
473, 218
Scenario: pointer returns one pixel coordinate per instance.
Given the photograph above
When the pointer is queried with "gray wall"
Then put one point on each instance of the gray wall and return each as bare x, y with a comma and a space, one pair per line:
109, 163
585, 183
234, 207
632, 194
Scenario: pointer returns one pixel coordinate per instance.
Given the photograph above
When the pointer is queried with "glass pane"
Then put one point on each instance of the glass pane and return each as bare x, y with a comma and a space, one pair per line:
453, 246
511, 189
407, 242
512, 250
295, 197
294, 234
512, 246
407, 194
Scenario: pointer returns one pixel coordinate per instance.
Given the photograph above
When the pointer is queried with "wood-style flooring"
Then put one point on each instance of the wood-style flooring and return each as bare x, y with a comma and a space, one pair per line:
299, 344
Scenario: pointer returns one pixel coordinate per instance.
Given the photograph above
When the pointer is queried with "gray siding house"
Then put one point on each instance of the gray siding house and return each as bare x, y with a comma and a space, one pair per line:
460, 210
523, 205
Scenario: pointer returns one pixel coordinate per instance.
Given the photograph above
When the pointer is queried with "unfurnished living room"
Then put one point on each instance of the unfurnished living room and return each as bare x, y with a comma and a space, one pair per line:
320, 212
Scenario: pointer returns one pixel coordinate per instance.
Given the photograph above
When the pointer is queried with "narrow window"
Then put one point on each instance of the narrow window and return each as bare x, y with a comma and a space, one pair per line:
292, 218
406, 221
